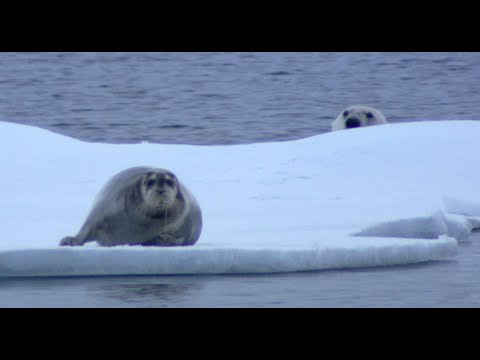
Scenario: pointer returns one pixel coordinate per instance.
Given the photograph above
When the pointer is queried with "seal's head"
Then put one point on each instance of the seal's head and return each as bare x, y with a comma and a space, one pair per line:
358, 116
159, 188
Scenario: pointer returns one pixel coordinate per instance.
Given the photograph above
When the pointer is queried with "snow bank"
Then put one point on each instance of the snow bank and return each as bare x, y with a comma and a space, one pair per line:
377, 196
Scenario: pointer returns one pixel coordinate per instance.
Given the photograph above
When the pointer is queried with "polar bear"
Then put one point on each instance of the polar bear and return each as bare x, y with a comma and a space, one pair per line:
358, 116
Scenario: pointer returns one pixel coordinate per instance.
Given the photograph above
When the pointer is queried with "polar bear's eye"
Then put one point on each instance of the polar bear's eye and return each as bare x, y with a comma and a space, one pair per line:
345, 113
369, 115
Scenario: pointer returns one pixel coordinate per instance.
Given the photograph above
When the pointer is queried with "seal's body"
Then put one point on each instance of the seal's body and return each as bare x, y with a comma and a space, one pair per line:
142, 206
358, 116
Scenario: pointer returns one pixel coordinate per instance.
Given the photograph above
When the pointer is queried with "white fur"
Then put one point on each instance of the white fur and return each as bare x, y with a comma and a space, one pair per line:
360, 112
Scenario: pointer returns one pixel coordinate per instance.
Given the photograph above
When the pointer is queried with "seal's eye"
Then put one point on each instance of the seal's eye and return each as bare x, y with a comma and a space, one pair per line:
169, 182
345, 113
150, 182
369, 115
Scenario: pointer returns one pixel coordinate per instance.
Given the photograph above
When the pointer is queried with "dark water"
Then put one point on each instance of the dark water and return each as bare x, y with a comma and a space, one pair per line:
227, 98
231, 98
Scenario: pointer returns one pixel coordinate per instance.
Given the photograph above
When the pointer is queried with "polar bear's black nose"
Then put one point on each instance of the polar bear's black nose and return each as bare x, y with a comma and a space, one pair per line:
352, 123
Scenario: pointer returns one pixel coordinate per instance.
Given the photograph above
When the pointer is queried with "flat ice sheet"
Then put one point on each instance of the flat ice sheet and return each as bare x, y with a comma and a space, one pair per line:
335, 200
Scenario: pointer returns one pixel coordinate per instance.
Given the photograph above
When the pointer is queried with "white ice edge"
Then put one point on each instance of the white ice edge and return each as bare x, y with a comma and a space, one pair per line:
198, 260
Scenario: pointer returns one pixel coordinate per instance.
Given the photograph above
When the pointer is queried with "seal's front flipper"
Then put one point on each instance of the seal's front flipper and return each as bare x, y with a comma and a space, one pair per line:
71, 241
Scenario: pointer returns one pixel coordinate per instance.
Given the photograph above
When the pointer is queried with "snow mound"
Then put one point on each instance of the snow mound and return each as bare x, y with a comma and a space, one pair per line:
425, 227
376, 196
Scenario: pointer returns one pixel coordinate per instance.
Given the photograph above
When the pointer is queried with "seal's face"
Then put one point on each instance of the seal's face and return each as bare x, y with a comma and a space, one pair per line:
359, 116
159, 188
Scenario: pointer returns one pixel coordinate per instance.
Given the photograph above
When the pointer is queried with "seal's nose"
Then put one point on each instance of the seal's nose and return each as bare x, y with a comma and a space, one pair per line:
352, 123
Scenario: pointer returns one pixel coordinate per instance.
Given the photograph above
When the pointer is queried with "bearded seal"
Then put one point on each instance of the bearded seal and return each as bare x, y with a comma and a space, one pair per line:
358, 116
141, 206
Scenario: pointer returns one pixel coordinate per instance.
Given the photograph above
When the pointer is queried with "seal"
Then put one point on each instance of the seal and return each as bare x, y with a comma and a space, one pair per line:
141, 206
358, 116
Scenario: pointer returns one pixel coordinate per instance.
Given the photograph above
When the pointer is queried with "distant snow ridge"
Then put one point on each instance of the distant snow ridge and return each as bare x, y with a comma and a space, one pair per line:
461, 207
